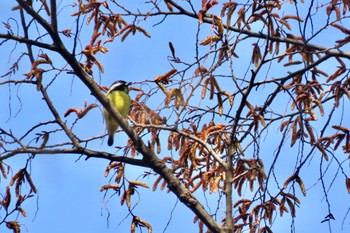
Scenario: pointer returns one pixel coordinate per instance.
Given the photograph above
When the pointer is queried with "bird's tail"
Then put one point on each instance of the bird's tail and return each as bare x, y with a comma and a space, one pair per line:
110, 140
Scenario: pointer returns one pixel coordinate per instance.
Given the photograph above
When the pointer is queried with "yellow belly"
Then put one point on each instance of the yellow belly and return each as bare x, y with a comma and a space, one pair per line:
121, 102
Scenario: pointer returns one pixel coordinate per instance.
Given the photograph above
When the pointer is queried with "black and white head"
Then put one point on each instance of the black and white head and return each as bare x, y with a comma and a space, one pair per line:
119, 85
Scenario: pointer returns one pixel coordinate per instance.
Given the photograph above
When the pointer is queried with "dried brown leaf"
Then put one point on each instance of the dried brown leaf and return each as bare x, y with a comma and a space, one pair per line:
347, 183
200, 70
143, 31
22, 211
228, 95
138, 183
7, 199
220, 103
256, 55
291, 178
286, 24
341, 28
301, 185
323, 151
14, 225
110, 186
311, 134
18, 175
30, 181
165, 78
341, 128
210, 40
291, 207
111, 166
154, 188
2, 169
120, 174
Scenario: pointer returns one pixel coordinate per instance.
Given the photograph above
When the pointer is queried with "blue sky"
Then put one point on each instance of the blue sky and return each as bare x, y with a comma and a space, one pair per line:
69, 199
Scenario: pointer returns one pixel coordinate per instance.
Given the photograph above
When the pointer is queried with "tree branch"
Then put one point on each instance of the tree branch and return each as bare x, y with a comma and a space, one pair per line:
20, 39
191, 136
333, 52
51, 30
87, 152
53, 14
54, 112
149, 157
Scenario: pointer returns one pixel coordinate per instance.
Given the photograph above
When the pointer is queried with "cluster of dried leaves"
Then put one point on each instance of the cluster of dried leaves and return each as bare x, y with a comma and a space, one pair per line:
36, 71
196, 166
17, 181
128, 187
104, 22
204, 129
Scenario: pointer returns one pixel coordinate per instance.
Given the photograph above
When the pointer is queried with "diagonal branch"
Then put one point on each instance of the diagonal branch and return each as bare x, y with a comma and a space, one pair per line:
149, 157
59, 120
50, 29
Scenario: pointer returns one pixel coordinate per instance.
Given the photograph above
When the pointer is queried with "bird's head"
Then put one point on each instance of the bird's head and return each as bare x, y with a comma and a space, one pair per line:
119, 85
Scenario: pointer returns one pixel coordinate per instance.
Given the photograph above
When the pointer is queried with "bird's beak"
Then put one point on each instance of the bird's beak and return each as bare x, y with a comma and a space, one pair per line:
128, 84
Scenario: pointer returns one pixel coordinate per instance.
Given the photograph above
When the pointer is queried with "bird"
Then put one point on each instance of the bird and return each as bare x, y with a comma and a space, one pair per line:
118, 94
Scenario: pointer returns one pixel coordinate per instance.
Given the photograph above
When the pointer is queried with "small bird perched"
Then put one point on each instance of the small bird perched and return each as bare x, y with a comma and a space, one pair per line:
118, 94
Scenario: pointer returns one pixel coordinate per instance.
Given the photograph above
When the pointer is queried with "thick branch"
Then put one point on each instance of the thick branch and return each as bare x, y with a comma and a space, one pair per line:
88, 153
148, 155
28, 41
53, 14
52, 30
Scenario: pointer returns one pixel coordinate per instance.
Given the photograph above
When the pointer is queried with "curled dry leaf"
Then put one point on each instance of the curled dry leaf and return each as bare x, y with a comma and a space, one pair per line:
18, 175
347, 183
7, 199
110, 186
341, 128
220, 103
138, 183
256, 55
175, 94
172, 49
229, 96
140, 222
80, 113
291, 178
165, 78
200, 70
295, 17
2, 169
210, 40
155, 185
14, 225
127, 197
30, 181
219, 26
22, 211
286, 24
301, 185
111, 166
120, 174
143, 31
